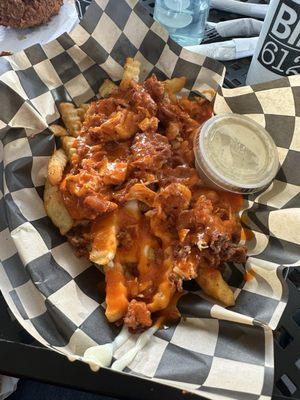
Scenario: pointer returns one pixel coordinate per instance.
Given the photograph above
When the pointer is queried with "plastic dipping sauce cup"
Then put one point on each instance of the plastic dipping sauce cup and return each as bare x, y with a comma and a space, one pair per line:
234, 153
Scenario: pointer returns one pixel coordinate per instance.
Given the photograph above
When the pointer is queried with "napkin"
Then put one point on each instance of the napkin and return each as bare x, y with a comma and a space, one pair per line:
234, 6
243, 27
228, 50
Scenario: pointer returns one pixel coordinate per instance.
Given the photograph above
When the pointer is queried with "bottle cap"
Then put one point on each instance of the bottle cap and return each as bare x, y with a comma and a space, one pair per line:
234, 153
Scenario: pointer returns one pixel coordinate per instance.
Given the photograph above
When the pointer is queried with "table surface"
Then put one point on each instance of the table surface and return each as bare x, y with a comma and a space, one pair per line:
21, 355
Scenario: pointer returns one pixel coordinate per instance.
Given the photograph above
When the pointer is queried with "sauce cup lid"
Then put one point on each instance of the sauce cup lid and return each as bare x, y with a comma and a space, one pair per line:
236, 154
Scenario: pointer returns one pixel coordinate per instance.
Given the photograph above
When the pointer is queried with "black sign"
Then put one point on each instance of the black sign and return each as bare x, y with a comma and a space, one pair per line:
280, 52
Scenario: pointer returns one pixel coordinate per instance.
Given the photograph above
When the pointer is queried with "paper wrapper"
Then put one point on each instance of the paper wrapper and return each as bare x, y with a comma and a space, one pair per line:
219, 353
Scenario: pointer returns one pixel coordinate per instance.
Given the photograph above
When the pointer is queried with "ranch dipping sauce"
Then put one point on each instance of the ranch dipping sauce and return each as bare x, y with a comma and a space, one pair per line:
234, 153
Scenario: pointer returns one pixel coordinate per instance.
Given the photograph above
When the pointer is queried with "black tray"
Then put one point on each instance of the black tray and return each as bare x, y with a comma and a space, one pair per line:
22, 356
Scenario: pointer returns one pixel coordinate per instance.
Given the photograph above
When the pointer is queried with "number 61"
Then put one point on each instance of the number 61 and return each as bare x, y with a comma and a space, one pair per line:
269, 51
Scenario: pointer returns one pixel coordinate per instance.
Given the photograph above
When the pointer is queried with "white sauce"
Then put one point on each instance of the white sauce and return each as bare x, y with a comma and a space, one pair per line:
101, 355
72, 357
234, 150
94, 366
237, 151
128, 357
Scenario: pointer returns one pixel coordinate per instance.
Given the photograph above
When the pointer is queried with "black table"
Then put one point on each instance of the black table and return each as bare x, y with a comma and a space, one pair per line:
22, 356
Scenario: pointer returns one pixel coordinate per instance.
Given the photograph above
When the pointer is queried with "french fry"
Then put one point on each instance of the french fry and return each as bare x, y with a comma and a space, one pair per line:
71, 118
82, 110
107, 88
163, 296
116, 292
173, 86
131, 72
166, 289
212, 283
148, 245
104, 245
56, 166
129, 254
58, 130
67, 144
56, 209
160, 229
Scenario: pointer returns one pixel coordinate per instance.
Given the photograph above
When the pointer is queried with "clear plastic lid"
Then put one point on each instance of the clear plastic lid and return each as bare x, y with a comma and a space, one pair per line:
235, 153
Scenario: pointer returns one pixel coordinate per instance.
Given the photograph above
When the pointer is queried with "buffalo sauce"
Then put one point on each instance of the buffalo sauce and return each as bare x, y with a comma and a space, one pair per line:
249, 275
171, 314
73, 204
175, 222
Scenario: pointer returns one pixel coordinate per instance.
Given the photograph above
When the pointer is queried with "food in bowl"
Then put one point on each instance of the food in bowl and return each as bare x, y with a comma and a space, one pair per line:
124, 190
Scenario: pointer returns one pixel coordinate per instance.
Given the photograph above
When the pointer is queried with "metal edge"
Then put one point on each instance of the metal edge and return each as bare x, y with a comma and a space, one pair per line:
26, 361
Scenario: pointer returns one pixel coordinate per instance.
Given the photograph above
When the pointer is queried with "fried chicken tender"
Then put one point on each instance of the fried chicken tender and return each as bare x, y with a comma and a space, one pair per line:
173, 198
138, 316
150, 151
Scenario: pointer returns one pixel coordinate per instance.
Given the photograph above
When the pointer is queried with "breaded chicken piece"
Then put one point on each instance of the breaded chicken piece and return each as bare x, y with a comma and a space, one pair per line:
27, 13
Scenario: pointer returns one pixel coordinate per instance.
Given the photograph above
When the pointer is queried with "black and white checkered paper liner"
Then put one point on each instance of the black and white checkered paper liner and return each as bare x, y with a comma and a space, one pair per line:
219, 353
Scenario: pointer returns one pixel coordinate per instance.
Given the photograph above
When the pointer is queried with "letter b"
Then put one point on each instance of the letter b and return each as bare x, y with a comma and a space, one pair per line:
282, 25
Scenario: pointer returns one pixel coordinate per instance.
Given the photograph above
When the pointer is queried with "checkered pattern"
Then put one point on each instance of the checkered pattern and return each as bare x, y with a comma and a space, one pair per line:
274, 214
213, 351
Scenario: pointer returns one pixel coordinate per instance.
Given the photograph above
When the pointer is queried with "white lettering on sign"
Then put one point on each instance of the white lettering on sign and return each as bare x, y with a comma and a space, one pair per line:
280, 50
270, 56
295, 35
286, 17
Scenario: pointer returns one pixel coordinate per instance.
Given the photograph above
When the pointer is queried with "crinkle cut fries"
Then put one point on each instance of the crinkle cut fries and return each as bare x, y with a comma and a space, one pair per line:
124, 190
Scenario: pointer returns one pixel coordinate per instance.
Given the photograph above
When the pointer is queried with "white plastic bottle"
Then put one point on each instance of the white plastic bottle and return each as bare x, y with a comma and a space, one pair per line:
278, 49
